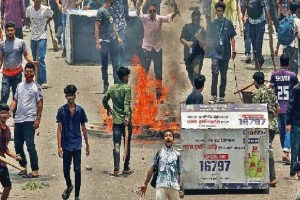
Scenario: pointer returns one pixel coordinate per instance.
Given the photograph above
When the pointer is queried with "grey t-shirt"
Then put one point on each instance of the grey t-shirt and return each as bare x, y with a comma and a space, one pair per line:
12, 50
105, 17
27, 96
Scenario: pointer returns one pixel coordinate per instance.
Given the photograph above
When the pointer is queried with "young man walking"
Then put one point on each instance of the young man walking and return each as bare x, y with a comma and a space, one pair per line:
283, 81
258, 13
292, 49
5, 138
11, 51
264, 95
13, 11
120, 94
152, 42
196, 96
192, 37
223, 33
107, 41
167, 161
39, 16
28, 104
71, 120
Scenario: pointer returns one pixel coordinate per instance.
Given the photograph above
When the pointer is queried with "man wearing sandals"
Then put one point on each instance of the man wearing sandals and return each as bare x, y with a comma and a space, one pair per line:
28, 102
120, 94
71, 119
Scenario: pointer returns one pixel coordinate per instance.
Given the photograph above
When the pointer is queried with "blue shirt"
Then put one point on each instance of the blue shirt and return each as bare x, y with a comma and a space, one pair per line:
71, 138
221, 34
168, 168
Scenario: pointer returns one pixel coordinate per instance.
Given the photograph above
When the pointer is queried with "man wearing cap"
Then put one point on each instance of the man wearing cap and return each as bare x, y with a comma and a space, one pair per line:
264, 95
192, 37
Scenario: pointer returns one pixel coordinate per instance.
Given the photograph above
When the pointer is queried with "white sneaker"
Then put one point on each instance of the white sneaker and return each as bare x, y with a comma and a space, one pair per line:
221, 100
212, 100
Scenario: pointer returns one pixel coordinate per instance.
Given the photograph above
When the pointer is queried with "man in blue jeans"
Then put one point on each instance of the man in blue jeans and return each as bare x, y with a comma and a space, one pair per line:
11, 52
64, 6
283, 80
29, 104
107, 41
258, 13
120, 10
71, 119
39, 16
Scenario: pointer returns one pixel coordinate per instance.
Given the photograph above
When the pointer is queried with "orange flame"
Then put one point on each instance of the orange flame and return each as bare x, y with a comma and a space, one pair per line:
107, 120
145, 107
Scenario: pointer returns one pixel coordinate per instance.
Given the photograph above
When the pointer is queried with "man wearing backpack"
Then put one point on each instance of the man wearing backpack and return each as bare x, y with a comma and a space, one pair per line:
258, 13
287, 37
167, 166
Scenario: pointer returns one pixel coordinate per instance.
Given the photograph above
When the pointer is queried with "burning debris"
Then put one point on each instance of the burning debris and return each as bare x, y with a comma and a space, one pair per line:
150, 116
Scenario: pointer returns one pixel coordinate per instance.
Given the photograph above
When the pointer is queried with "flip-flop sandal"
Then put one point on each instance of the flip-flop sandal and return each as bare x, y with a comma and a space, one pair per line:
67, 192
22, 172
30, 175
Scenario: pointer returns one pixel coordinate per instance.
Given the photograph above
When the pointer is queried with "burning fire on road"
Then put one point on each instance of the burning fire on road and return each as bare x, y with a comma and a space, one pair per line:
148, 113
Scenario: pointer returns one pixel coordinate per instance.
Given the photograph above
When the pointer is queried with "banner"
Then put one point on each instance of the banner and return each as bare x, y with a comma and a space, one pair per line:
226, 158
224, 116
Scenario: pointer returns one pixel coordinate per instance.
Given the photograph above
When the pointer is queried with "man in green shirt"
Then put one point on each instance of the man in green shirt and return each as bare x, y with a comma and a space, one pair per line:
120, 94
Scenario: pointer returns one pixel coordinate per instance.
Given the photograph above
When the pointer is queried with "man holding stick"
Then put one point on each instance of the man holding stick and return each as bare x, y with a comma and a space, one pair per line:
120, 94
5, 137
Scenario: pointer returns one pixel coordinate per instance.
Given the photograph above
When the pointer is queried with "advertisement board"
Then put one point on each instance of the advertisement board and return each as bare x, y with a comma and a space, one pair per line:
232, 155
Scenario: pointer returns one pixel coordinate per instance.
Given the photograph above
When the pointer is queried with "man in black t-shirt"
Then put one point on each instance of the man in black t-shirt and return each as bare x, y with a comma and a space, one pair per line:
107, 39
192, 37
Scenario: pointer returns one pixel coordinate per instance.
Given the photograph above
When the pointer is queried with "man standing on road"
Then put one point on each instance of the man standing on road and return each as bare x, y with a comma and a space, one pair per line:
192, 37
39, 16
11, 51
152, 42
120, 11
283, 81
57, 20
28, 104
167, 163
293, 126
64, 6
71, 119
120, 95
292, 49
223, 33
264, 95
258, 12
13, 11
107, 41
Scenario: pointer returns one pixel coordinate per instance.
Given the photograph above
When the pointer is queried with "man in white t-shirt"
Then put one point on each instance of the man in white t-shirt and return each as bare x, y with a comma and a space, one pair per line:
39, 16
28, 104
